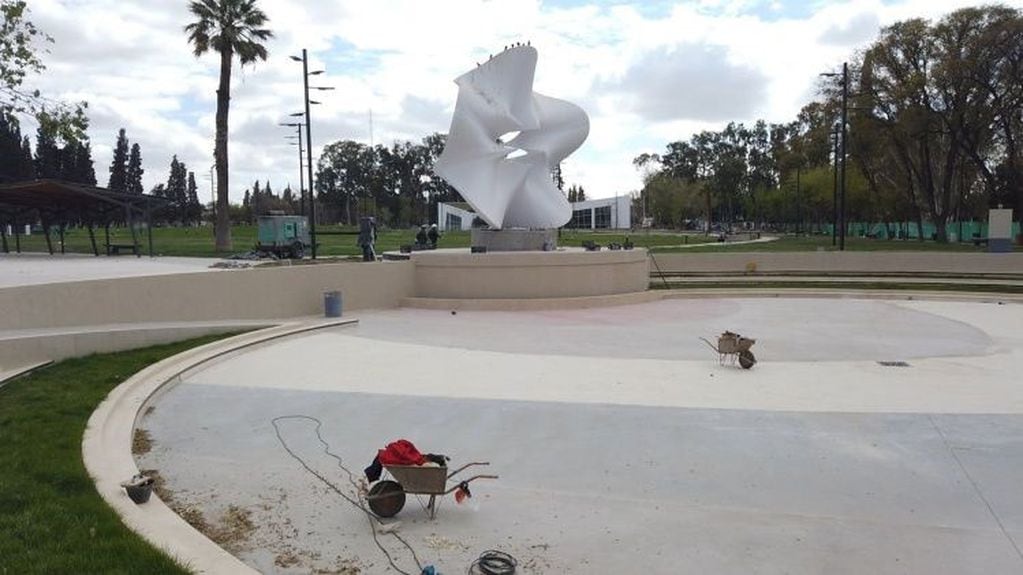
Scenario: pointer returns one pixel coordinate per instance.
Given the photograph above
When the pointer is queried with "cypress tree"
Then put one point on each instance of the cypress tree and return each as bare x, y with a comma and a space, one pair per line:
47, 162
194, 207
10, 148
177, 191
66, 162
119, 166
256, 202
134, 171
27, 167
76, 163
85, 172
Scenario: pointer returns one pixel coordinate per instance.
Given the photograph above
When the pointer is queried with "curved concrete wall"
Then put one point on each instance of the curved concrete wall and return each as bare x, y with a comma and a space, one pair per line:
842, 262
247, 294
530, 275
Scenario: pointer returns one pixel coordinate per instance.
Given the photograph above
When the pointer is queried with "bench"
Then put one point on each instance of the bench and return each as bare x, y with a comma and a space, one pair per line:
979, 241
115, 249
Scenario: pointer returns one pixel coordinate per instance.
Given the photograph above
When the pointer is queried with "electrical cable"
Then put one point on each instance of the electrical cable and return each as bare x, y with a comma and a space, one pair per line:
493, 562
357, 502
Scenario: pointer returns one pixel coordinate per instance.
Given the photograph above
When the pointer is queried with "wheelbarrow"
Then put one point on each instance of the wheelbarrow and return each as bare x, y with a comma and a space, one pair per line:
387, 497
732, 346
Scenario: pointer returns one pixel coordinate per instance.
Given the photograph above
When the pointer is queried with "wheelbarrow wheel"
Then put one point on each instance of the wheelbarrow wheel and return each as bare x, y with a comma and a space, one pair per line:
747, 359
386, 498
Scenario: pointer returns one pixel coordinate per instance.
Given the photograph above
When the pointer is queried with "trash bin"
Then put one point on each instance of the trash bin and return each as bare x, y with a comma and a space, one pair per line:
332, 304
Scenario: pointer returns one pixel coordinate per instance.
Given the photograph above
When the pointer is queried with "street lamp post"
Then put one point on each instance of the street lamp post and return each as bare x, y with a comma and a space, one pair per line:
834, 191
309, 141
842, 152
845, 136
301, 176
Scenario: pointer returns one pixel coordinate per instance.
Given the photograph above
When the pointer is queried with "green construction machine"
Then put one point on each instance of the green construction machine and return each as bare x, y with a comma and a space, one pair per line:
283, 236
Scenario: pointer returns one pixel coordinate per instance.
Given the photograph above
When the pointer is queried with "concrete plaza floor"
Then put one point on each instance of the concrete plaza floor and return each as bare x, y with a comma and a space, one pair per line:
37, 268
622, 445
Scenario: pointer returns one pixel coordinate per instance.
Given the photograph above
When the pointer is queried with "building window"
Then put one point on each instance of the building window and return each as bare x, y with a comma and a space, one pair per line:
602, 217
453, 222
581, 219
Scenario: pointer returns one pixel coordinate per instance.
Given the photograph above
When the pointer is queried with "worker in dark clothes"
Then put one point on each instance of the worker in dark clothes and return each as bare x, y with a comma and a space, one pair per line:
421, 237
433, 236
367, 238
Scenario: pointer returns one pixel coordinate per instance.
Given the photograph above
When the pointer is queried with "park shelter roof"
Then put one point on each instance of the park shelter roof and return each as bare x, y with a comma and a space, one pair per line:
62, 196
62, 202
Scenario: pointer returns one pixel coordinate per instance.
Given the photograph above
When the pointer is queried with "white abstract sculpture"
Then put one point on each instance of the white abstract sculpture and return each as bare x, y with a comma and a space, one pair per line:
506, 187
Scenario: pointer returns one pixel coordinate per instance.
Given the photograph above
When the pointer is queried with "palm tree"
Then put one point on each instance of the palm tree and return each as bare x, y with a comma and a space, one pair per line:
229, 27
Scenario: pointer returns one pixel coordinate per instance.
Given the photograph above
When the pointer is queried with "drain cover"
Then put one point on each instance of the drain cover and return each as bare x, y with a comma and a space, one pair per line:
893, 363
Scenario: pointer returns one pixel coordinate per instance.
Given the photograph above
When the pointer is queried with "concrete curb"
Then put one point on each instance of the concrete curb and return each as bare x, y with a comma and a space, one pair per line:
698, 293
106, 449
525, 304
8, 375
828, 293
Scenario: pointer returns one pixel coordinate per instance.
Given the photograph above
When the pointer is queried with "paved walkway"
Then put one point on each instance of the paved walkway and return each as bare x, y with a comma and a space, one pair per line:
33, 268
622, 445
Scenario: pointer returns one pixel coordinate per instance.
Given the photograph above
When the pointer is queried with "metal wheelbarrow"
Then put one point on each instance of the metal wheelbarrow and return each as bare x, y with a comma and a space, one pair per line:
732, 346
386, 497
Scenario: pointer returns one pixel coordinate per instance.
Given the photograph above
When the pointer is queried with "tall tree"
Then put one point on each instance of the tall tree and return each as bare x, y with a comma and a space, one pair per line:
26, 165
10, 148
177, 191
228, 27
118, 181
194, 210
47, 161
134, 172
76, 163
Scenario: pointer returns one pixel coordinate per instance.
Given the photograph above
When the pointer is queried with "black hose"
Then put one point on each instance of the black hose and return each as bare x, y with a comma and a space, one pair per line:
493, 563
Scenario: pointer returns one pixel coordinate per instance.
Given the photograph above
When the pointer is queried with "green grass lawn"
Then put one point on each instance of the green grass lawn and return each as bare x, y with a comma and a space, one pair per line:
52, 520
823, 243
198, 242
936, 285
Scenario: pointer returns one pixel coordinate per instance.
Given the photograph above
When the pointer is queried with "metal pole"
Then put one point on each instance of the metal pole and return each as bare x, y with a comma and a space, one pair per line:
845, 135
301, 175
834, 195
309, 153
799, 206
149, 226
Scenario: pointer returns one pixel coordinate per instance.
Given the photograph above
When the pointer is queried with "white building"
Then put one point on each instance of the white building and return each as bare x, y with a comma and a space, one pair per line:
605, 213
455, 216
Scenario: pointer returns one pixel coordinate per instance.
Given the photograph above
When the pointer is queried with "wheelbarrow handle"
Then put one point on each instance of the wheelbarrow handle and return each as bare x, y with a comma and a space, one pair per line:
471, 479
712, 346
466, 466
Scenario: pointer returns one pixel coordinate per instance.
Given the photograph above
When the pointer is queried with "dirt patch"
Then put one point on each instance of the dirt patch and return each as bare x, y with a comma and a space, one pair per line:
193, 517
231, 532
341, 567
141, 442
233, 529
159, 485
286, 559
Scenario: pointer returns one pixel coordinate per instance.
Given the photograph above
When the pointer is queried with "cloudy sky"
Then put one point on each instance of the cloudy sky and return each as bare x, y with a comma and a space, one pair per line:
647, 72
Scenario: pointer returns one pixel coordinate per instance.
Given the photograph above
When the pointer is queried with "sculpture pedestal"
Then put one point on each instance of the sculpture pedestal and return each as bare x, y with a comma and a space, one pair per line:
457, 274
515, 240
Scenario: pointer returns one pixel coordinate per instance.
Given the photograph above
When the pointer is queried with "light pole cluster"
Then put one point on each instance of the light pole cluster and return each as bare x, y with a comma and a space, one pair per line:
301, 175
308, 143
840, 158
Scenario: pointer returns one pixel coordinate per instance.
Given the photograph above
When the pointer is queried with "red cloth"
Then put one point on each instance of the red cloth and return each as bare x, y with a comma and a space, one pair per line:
401, 452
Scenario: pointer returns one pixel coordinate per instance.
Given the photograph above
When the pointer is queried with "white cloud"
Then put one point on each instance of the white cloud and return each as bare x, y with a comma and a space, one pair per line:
625, 63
